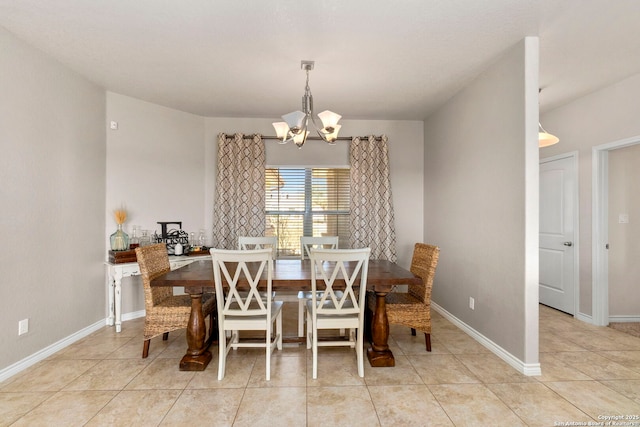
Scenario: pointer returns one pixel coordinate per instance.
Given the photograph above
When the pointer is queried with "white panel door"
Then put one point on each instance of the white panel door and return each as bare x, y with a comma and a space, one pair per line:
558, 192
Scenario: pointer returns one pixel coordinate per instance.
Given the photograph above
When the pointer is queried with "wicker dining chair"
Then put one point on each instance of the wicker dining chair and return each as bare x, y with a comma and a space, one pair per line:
165, 312
413, 308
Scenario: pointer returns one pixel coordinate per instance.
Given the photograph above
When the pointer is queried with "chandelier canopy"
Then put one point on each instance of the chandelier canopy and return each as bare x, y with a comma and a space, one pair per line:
296, 124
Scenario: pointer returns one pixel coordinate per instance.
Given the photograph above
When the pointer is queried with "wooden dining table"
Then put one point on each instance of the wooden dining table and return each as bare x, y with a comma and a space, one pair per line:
288, 275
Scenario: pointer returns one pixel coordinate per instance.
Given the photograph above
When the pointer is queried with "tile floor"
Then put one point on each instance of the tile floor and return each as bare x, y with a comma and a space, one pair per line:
588, 372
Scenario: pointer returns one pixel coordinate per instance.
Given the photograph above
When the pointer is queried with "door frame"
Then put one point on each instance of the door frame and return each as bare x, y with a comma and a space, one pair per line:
600, 227
573, 155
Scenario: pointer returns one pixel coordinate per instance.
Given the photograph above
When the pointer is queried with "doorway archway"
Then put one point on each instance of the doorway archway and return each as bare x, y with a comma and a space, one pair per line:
600, 228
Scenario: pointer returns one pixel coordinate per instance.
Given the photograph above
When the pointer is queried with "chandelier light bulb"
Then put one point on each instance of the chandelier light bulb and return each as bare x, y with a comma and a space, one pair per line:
282, 130
296, 121
329, 121
331, 137
300, 138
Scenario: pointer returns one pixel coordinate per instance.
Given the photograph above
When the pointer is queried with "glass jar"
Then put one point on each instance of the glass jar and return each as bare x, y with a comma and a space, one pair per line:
119, 240
134, 241
145, 238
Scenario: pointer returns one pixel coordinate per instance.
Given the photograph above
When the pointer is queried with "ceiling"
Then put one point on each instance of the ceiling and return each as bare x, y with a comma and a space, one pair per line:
375, 59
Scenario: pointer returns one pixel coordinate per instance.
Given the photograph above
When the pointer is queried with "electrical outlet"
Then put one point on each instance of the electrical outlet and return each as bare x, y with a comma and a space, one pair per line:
113, 125
472, 303
23, 327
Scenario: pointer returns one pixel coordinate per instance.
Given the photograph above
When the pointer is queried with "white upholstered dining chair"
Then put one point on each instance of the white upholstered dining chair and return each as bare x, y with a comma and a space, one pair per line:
240, 305
306, 244
259, 242
327, 310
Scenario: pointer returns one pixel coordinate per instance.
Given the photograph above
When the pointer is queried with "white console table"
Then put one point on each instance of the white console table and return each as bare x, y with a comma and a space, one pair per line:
114, 284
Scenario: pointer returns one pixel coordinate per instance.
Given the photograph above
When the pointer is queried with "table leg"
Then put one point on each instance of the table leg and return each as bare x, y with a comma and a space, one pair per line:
379, 354
118, 300
197, 357
111, 288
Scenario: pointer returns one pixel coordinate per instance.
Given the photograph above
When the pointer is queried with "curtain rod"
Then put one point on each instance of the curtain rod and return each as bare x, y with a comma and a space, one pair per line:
314, 138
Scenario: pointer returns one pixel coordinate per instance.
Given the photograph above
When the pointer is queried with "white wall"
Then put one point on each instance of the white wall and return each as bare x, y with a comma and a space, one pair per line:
155, 167
604, 116
52, 169
481, 163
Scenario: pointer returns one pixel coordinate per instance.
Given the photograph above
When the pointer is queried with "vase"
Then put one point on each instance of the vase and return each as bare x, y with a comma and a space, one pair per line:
119, 240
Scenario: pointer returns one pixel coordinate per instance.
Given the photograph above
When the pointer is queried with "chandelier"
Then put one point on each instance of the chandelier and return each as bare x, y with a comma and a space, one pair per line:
296, 124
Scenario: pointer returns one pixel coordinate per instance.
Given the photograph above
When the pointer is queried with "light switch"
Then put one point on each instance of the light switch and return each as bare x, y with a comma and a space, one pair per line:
23, 327
623, 218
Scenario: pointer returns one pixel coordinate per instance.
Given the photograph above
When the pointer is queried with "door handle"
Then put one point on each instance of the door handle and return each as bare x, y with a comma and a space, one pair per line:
568, 243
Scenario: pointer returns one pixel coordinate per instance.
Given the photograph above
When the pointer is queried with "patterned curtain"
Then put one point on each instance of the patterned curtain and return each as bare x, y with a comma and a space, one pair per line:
372, 221
240, 192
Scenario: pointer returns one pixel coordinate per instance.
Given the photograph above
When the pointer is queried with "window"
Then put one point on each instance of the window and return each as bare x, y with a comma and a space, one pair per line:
306, 202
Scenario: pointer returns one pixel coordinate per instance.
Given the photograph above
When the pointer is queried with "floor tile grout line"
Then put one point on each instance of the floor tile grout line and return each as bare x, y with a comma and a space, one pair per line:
235, 416
567, 400
172, 406
104, 406
373, 404
441, 405
616, 391
35, 407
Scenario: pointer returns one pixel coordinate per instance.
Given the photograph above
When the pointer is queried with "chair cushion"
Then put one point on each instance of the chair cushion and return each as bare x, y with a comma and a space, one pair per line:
309, 294
329, 304
253, 306
276, 307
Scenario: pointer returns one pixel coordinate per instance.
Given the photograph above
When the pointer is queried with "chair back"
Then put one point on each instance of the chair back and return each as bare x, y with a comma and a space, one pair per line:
309, 242
337, 268
258, 242
423, 264
236, 275
153, 261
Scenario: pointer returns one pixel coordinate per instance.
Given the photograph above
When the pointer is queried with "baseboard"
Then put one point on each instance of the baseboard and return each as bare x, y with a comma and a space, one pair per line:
584, 318
133, 315
36, 357
624, 319
528, 369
